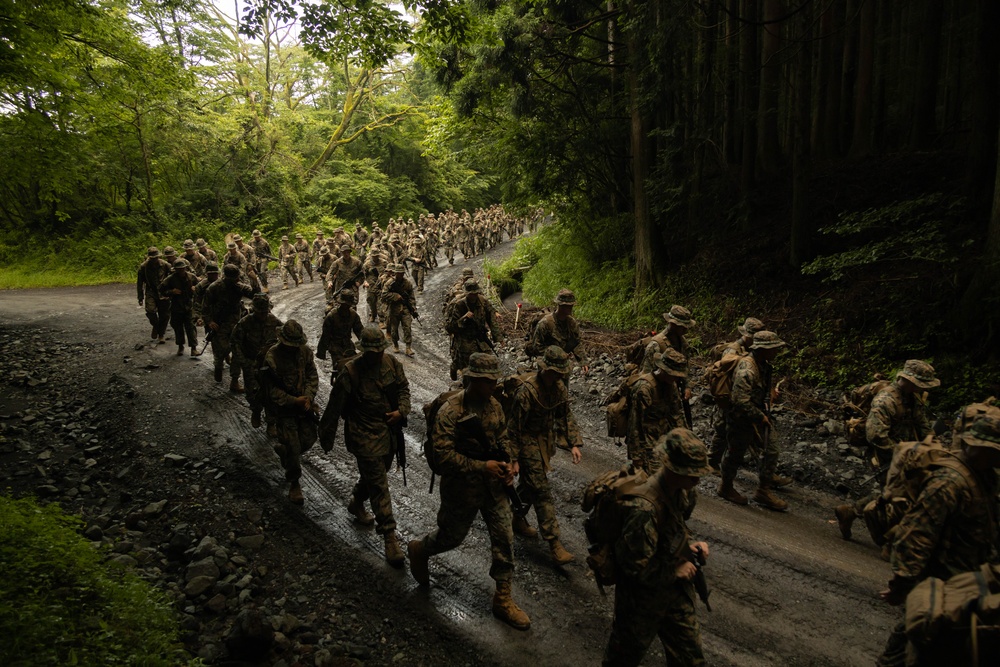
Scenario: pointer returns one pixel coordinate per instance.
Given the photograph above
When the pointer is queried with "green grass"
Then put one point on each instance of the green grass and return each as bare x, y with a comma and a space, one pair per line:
60, 603
19, 277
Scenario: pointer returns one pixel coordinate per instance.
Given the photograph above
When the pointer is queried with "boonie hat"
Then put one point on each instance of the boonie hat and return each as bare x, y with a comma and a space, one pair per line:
554, 359
284, 238
188, 243
472, 286
237, 238
680, 316
181, 264
169, 251
751, 326
231, 271
298, 236
153, 251
231, 245
212, 267
919, 373
985, 432
372, 339
565, 298
200, 243
483, 365
766, 340
346, 248
346, 296
261, 301
291, 333
671, 362
256, 232
398, 268
683, 453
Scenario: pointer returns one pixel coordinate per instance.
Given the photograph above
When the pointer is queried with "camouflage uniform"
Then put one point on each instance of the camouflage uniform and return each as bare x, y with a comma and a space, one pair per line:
739, 347
338, 326
342, 271
551, 330
397, 293
290, 373
325, 263
655, 409
469, 334
224, 307
374, 266
252, 336
237, 259
198, 296
260, 248
183, 283
650, 600
366, 433
304, 258
147, 286
199, 265
950, 528
417, 254
287, 257
209, 254
541, 420
448, 241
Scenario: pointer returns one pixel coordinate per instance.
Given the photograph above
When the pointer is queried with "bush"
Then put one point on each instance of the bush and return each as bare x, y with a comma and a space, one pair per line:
61, 604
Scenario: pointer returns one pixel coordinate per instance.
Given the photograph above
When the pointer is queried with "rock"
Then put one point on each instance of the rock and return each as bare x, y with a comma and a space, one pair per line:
217, 604
209, 653
250, 542
123, 560
123, 547
250, 637
205, 567
175, 459
46, 490
834, 427
197, 586
45, 456
244, 582
154, 509
94, 533
208, 547
289, 623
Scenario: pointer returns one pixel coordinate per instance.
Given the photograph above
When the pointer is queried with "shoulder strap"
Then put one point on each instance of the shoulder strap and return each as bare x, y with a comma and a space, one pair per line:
981, 497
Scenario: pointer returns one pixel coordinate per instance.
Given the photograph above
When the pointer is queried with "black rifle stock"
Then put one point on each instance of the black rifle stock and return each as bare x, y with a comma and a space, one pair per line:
473, 442
697, 558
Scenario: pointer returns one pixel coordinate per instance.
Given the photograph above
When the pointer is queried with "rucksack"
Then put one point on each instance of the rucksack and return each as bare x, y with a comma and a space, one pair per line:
507, 389
603, 501
856, 405
617, 406
719, 379
637, 350
912, 463
968, 602
430, 415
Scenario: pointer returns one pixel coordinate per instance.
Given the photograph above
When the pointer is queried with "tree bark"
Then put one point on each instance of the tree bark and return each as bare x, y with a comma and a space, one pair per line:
980, 165
862, 143
770, 73
750, 93
929, 50
802, 228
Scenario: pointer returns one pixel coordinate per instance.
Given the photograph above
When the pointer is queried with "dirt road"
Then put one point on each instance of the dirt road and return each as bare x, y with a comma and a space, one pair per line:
786, 590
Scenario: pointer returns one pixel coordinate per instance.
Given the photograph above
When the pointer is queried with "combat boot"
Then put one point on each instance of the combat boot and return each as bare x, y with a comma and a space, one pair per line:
234, 386
295, 494
218, 373
780, 481
559, 553
767, 498
417, 552
727, 492
845, 517
395, 348
255, 419
409, 351
194, 350
357, 509
523, 528
152, 336
180, 350
506, 610
272, 430
393, 552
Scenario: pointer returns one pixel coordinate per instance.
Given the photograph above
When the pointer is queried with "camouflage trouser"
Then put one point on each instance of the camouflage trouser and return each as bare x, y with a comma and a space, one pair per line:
288, 273
720, 439
449, 252
262, 272
462, 498
418, 273
221, 348
372, 298
158, 313
305, 266
295, 435
250, 384
884, 458
462, 349
398, 315
641, 453
743, 437
373, 485
642, 613
183, 325
534, 490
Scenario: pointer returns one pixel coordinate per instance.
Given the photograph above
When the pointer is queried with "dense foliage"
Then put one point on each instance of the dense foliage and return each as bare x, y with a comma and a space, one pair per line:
61, 604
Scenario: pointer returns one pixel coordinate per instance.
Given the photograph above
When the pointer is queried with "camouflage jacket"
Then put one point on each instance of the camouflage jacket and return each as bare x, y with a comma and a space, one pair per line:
151, 273
185, 283
316, 245
248, 253
656, 409
325, 264
341, 271
261, 248
286, 254
397, 293
654, 541
373, 270
361, 236
950, 528
363, 408
751, 386
251, 335
542, 417
302, 248
550, 331
209, 254
896, 417
336, 338
198, 299
658, 345
199, 265
290, 373
447, 434
224, 302
483, 319
238, 259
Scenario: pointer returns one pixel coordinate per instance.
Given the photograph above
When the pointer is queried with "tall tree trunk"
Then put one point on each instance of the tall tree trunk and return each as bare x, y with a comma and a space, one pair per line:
980, 164
802, 228
732, 77
830, 143
925, 100
770, 77
750, 93
862, 144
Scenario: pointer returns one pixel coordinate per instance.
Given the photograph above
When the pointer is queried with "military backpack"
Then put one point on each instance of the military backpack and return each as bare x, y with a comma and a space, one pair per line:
430, 416
719, 379
603, 501
856, 405
617, 406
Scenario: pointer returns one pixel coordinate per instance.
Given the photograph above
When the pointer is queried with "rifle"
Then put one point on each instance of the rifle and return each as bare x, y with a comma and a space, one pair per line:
686, 402
270, 258
697, 558
406, 302
350, 281
475, 434
482, 334
208, 339
392, 395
